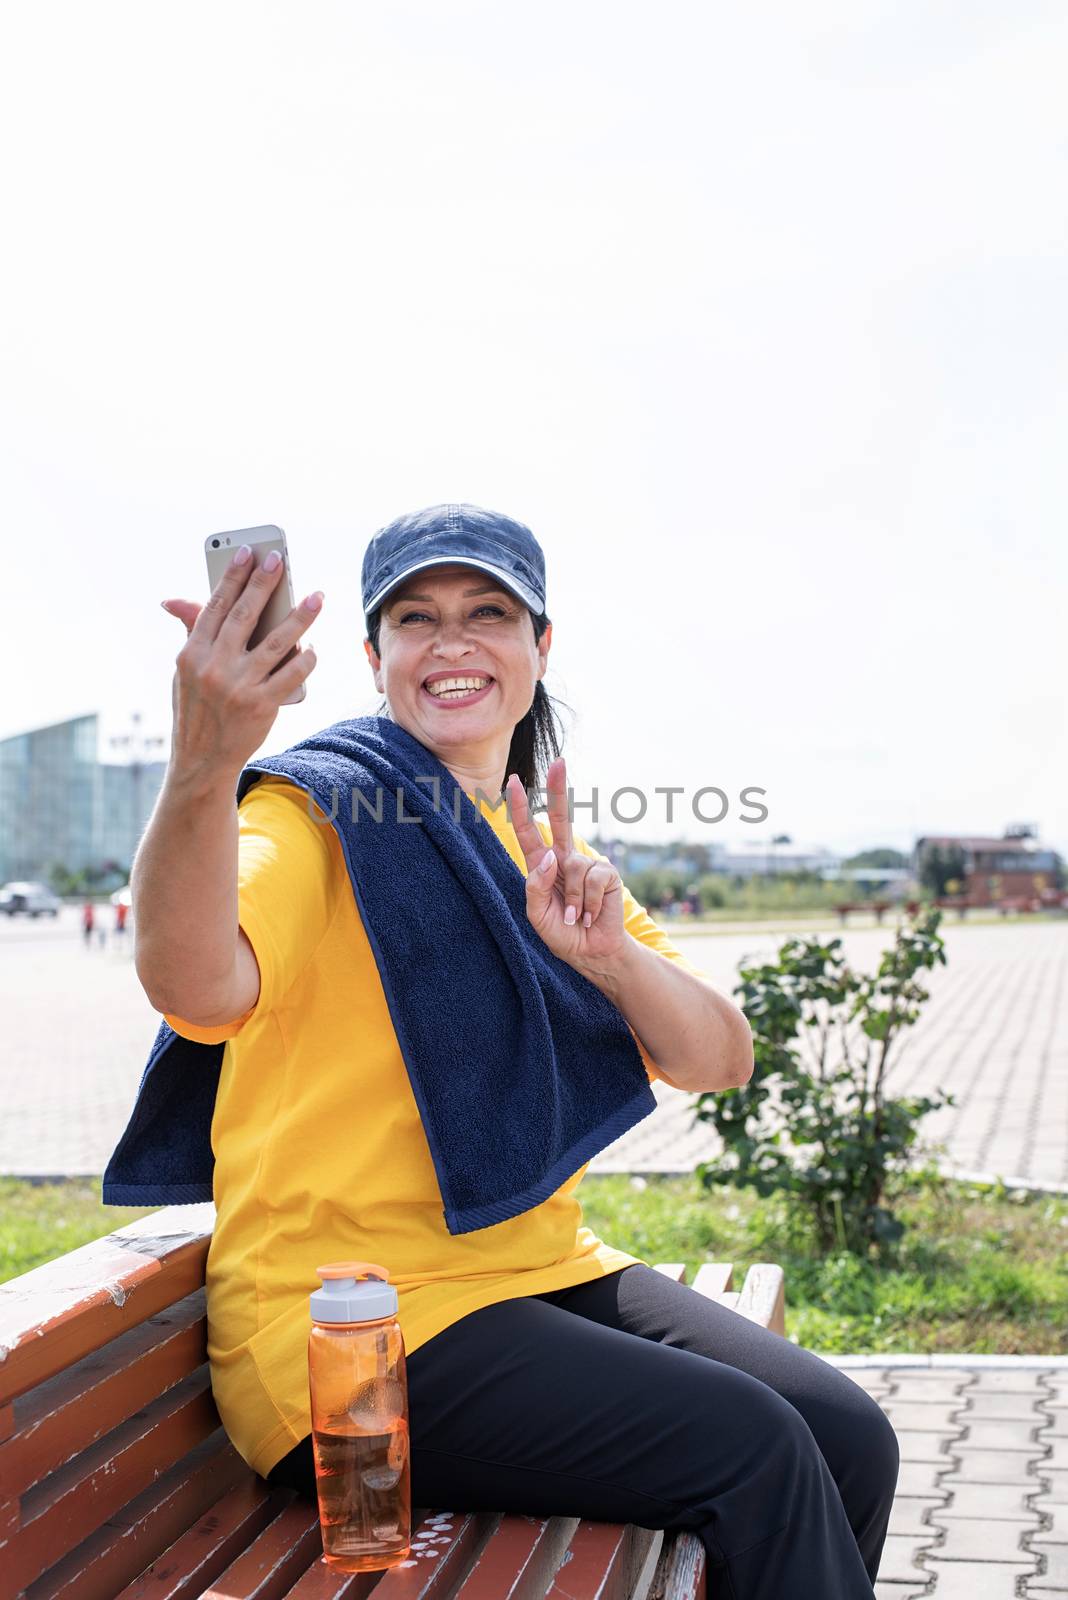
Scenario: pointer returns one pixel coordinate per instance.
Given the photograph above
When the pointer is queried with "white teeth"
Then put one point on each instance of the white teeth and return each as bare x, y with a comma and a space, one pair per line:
454, 688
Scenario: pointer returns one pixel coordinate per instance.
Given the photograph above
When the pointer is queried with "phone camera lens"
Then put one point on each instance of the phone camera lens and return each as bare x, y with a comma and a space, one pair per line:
215, 544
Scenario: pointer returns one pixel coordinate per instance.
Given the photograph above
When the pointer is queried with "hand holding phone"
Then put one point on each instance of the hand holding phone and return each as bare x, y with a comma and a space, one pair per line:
241, 658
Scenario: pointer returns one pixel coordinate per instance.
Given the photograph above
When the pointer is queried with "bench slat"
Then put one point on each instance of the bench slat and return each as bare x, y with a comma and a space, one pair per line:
763, 1296
70, 1504
715, 1279
681, 1572
123, 1547
520, 1560
433, 1572
69, 1412
185, 1569
321, 1582
275, 1559
603, 1562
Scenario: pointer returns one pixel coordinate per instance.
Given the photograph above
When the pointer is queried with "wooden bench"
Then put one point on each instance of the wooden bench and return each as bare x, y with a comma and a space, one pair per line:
118, 1482
879, 907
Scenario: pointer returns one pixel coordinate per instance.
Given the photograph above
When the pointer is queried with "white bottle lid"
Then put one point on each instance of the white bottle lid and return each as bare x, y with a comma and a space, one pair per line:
353, 1291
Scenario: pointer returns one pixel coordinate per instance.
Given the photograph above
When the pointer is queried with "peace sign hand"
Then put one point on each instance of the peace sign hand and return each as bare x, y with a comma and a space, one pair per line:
561, 879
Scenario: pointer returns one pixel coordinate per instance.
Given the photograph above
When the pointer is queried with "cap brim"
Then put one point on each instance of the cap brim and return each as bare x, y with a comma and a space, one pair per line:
506, 579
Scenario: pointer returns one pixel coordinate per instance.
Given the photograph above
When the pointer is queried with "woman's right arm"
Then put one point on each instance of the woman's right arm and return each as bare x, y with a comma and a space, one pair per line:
190, 954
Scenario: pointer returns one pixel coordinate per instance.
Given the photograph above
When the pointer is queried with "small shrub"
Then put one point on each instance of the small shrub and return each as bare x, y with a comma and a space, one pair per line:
814, 1120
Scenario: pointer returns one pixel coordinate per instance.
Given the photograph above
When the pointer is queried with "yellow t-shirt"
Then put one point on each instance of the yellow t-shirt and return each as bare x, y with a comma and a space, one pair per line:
320, 1153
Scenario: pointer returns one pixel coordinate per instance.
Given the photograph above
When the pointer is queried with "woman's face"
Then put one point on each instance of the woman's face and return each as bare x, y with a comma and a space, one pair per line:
452, 621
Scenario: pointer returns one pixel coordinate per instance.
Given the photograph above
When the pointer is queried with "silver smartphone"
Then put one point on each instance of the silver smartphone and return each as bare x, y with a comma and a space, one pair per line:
219, 549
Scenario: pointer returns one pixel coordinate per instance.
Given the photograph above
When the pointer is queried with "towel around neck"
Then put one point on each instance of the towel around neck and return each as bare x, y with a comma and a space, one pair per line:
522, 1070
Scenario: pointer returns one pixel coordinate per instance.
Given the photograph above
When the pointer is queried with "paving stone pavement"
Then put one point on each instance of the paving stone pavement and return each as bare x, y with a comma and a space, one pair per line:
78, 1030
994, 1033
981, 1510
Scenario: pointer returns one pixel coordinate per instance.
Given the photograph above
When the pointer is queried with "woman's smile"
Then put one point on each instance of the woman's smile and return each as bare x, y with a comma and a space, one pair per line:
457, 688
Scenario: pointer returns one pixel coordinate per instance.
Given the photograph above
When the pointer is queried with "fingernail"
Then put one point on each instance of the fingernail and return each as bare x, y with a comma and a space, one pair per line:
314, 601
273, 560
570, 915
546, 861
166, 607
242, 555
586, 920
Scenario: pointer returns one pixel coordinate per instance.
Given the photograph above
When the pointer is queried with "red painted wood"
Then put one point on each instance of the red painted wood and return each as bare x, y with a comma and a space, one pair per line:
519, 1559
69, 1412
54, 1315
321, 1582
437, 1563
186, 1568
115, 1553
70, 1504
275, 1559
602, 1562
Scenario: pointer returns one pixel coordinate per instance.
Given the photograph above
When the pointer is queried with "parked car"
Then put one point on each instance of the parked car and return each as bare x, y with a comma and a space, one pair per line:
35, 899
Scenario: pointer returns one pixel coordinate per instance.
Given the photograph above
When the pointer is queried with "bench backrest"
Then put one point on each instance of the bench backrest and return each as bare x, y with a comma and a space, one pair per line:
104, 1386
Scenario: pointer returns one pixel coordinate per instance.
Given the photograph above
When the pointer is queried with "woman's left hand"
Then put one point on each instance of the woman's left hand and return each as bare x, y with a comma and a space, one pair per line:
560, 878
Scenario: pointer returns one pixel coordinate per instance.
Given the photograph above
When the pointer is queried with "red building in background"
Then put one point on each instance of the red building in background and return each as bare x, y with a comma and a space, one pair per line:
992, 871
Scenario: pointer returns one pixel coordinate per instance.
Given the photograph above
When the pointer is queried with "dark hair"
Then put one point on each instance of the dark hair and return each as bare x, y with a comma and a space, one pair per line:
537, 738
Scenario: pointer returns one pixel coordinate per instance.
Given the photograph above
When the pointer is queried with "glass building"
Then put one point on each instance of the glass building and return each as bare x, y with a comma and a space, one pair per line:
61, 806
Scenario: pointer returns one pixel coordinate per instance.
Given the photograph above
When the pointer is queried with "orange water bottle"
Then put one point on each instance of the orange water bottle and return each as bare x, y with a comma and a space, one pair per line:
359, 1407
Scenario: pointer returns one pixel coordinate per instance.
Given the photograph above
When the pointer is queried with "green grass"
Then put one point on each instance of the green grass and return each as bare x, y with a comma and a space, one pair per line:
39, 1221
980, 1269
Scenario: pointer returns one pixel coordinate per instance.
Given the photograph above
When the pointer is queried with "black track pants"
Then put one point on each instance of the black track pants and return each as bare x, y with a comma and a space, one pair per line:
633, 1398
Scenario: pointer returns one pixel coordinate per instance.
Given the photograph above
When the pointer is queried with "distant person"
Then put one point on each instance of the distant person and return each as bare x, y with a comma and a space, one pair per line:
120, 917
88, 922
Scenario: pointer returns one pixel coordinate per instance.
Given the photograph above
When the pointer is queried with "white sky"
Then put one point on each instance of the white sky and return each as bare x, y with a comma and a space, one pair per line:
755, 314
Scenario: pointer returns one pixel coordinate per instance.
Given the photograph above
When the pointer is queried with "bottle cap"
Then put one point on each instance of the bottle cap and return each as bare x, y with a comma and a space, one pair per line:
353, 1291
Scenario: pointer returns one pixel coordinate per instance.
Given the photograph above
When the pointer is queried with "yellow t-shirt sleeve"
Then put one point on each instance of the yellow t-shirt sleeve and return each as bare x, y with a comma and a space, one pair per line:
287, 888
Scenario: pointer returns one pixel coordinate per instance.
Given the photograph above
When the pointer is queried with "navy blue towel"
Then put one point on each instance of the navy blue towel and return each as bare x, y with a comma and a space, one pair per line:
521, 1068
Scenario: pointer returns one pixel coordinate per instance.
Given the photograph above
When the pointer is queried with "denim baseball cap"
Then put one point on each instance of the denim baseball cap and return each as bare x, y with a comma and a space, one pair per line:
467, 534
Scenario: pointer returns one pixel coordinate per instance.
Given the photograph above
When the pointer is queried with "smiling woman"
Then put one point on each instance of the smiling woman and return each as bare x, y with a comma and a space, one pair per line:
511, 1329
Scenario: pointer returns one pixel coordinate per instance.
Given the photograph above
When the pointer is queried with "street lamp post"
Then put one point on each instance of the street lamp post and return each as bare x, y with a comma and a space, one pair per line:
139, 746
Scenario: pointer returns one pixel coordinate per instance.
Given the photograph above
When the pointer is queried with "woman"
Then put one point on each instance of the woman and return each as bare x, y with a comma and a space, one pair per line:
548, 1372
